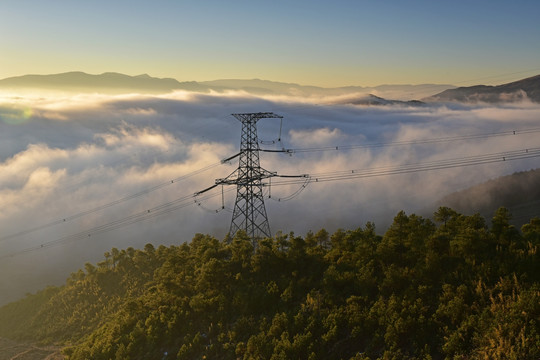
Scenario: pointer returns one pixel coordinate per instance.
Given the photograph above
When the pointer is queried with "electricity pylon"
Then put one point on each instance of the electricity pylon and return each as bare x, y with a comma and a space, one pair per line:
249, 212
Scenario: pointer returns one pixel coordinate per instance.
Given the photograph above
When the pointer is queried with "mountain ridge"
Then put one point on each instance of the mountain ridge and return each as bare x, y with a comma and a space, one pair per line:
113, 82
520, 90
116, 82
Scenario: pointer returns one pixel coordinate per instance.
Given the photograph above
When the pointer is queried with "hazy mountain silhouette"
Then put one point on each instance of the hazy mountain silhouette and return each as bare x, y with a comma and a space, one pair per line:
110, 82
119, 83
373, 100
519, 192
107, 82
528, 88
265, 87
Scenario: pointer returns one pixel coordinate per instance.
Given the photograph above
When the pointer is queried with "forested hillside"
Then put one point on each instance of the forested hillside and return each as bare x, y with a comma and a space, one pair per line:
450, 287
519, 193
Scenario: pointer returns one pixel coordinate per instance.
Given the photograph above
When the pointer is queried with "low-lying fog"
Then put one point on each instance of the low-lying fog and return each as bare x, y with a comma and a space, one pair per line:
65, 160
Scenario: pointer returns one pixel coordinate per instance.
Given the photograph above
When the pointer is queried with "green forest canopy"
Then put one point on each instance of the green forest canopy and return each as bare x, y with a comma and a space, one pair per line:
451, 288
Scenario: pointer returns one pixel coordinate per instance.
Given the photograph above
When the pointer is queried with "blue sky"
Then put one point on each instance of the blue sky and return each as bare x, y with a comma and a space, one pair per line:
327, 43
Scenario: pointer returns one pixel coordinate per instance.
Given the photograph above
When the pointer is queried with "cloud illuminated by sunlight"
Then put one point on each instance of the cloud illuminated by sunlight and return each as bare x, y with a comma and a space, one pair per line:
15, 115
107, 147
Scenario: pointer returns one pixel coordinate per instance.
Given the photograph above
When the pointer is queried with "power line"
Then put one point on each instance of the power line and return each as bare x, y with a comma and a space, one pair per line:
304, 181
294, 194
408, 142
329, 148
312, 178
119, 223
498, 76
110, 204
417, 167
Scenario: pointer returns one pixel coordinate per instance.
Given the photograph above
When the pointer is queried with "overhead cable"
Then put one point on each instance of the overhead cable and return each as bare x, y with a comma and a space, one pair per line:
116, 224
417, 167
110, 204
407, 142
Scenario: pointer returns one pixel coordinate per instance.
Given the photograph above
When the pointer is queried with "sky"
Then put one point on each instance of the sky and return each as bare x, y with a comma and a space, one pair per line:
324, 43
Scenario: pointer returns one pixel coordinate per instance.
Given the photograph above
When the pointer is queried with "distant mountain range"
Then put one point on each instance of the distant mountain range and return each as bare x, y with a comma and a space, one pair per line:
516, 91
120, 83
372, 100
114, 83
352, 93
109, 82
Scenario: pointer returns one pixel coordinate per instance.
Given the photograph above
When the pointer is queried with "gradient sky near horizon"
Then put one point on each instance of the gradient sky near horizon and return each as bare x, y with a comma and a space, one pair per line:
324, 43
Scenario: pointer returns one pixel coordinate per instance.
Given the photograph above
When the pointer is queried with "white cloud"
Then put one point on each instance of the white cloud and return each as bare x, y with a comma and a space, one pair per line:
109, 147
315, 137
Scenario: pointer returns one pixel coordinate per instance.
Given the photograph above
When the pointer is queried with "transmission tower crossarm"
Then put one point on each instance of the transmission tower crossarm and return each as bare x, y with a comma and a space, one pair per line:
289, 151
230, 158
293, 176
205, 190
230, 180
259, 115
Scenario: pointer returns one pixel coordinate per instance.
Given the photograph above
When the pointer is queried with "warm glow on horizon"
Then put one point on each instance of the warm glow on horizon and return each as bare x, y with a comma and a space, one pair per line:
328, 44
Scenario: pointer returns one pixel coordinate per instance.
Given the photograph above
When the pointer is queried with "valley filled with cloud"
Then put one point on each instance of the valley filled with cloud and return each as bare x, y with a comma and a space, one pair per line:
80, 174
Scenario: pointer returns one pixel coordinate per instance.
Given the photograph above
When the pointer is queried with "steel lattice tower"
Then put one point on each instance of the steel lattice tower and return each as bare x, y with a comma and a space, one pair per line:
249, 212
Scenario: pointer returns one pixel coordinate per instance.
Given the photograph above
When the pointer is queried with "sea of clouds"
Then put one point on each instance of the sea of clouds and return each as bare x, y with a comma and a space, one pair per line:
72, 156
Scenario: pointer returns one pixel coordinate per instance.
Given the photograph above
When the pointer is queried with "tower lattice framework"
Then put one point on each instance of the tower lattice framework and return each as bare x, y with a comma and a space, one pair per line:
249, 212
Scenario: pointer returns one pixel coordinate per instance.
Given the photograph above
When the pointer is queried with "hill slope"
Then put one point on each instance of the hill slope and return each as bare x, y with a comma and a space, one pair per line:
528, 88
519, 192
422, 290
11, 350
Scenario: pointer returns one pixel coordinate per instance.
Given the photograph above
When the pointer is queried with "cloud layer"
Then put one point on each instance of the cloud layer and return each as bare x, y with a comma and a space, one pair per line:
72, 157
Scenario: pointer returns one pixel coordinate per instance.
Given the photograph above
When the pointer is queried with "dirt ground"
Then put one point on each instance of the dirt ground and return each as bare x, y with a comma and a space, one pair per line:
12, 350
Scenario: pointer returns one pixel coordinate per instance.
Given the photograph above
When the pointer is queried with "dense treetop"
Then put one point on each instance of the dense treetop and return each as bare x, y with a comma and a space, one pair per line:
447, 288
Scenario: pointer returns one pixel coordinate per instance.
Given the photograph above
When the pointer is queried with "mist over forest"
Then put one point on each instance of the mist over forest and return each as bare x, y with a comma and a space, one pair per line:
62, 155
